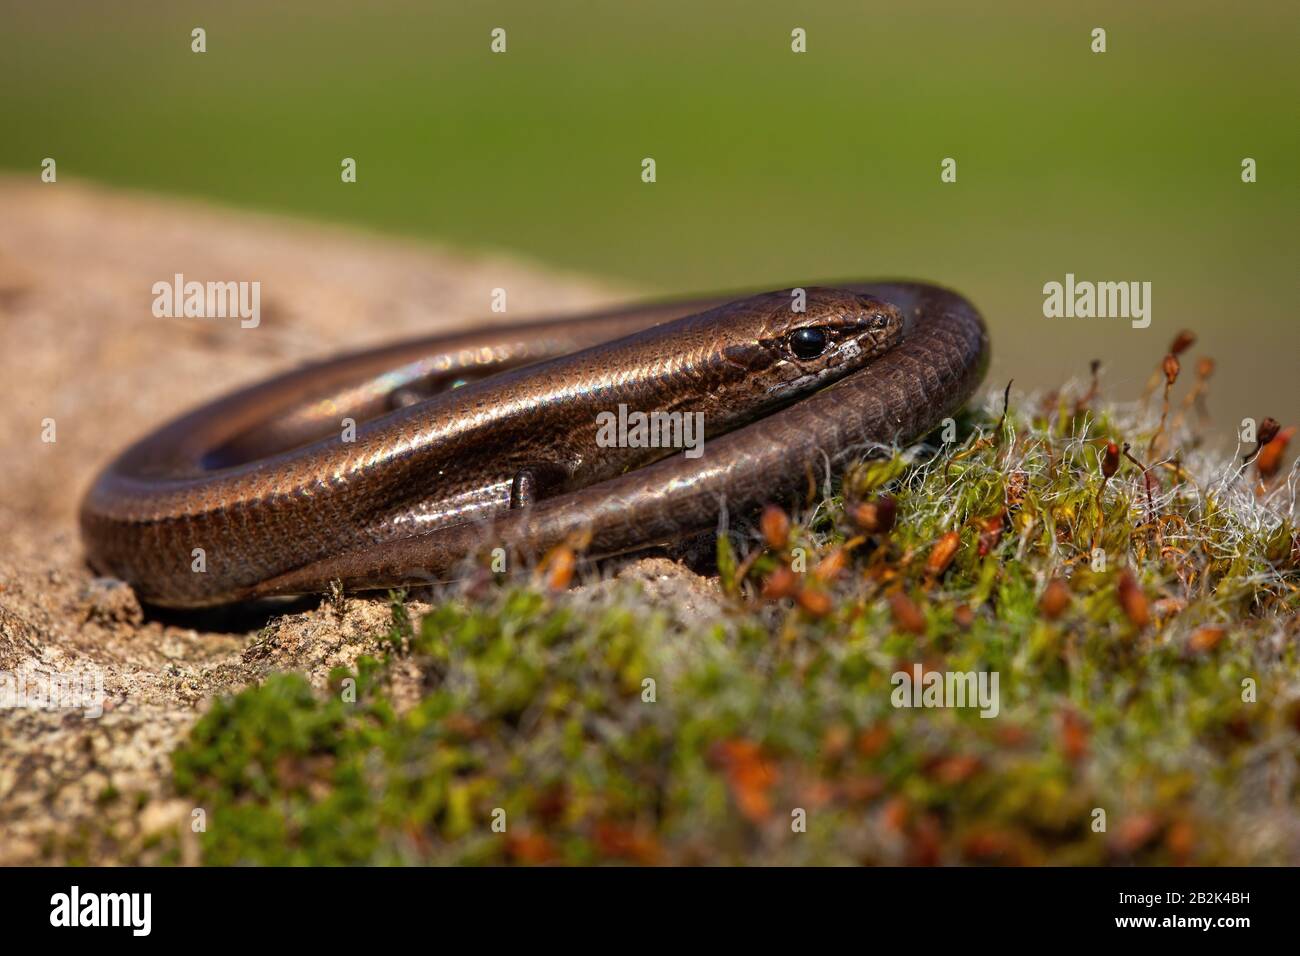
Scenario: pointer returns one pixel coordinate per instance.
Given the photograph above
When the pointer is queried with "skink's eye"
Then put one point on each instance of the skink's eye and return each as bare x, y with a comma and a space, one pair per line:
808, 343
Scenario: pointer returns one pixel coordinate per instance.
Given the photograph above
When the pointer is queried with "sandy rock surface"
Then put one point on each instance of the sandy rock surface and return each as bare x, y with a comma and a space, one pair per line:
79, 345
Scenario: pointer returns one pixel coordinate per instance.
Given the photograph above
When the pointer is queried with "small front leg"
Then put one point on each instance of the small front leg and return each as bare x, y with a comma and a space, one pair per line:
532, 483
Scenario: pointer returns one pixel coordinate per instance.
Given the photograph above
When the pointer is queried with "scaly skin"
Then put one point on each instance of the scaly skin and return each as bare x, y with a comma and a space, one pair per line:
263, 483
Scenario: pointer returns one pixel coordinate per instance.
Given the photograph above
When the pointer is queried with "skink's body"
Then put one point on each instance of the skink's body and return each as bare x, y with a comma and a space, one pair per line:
261, 493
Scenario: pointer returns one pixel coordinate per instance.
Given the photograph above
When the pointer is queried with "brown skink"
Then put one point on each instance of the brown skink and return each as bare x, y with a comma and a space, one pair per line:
399, 464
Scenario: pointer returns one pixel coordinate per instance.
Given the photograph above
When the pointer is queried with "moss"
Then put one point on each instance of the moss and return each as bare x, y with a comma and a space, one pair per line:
1118, 693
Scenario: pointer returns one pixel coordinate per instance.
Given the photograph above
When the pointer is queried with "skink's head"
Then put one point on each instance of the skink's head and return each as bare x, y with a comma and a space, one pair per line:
836, 333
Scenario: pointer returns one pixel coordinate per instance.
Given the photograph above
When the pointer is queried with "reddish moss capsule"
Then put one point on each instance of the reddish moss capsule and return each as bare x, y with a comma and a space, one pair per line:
1205, 639
1055, 599
1269, 461
816, 603
1110, 460
1183, 341
1074, 736
876, 517
781, 583
775, 525
560, 566
963, 616
907, 616
1133, 601
750, 775
832, 566
941, 555
1171, 368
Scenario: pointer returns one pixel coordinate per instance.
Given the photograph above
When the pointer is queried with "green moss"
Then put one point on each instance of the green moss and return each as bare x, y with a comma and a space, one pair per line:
537, 705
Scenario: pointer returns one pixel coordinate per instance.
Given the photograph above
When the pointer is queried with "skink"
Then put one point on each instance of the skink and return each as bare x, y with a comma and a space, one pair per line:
399, 464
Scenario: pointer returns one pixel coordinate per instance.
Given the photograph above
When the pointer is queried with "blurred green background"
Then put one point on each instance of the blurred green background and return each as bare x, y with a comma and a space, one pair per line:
773, 168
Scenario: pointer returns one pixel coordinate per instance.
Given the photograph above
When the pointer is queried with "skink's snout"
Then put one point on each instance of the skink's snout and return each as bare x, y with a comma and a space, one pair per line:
878, 322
